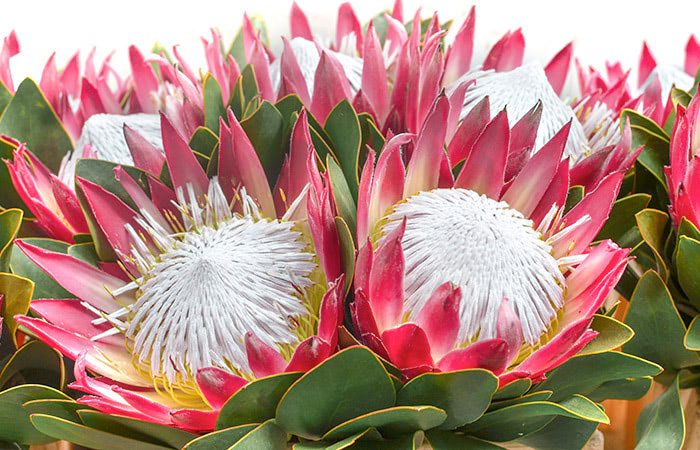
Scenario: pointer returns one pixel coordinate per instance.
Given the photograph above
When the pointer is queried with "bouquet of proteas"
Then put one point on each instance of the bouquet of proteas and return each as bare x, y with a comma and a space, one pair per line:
353, 245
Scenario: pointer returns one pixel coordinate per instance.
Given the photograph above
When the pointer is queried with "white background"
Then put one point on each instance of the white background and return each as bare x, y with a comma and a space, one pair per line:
600, 30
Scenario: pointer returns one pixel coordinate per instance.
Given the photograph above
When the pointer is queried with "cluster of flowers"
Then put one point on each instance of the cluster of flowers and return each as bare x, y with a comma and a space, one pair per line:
367, 242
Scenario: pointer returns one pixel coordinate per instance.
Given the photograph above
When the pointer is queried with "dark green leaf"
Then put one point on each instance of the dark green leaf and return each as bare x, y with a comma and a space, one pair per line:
562, 433
137, 429
265, 129
661, 423
267, 435
349, 384
256, 402
213, 103
514, 389
65, 409
342, 195
29, 118
364, 437
390, 422
16, 426
652, 224
204, 141
343, 127
573, 197
692, 336
687, 264
658, 326
583, 374
625, 389
539, 396
347, 252
446, 391
446, 440
520, 420
44, 285
37, 363
79, 434
9, 198
612, 334
10, 221
221, 439
84, 252
5, 97
621, 218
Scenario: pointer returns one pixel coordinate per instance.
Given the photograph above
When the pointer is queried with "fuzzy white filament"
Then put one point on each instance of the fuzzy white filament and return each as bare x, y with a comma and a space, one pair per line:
488, 249
223, 277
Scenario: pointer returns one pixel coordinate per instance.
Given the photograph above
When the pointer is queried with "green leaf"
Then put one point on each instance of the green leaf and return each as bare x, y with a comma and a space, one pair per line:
343, 127
562, 433
687, 228
370, 134
347, 252
621, 219
652, 224
624, 389
256, 402
267, 435
446, 440
514, 389
265, 129
392, 421
16, 426
446, 391
64, 409
520, 420
680, 97
341, 194
612, 334
44, 285
661, 423
585, 373
9, 198
29, 118
213, 103
539, 396
236, 48
687, 264
79, 434
102, 173
364, 437
349, 384
137, 429
221, 439
84, 252
17, 292
573, 197
5, 97
659, 329
642, 122
655, 155
36, 363
10, 222
204, 141
692, 336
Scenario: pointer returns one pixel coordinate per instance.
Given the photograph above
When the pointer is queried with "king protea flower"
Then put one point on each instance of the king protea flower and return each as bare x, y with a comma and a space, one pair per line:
485, 269
682, 175
215, 286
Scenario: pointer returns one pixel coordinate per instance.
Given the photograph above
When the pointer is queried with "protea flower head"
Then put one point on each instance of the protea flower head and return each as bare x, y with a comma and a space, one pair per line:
484, 269
682, 175
213, 287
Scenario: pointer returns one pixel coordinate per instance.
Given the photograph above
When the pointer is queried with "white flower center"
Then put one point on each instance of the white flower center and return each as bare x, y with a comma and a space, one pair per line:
488, 249
519, 90
214, 283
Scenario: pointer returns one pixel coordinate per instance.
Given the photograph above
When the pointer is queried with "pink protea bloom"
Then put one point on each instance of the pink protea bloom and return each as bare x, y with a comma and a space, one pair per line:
53, 203
483, 269
682, 175
215, 286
